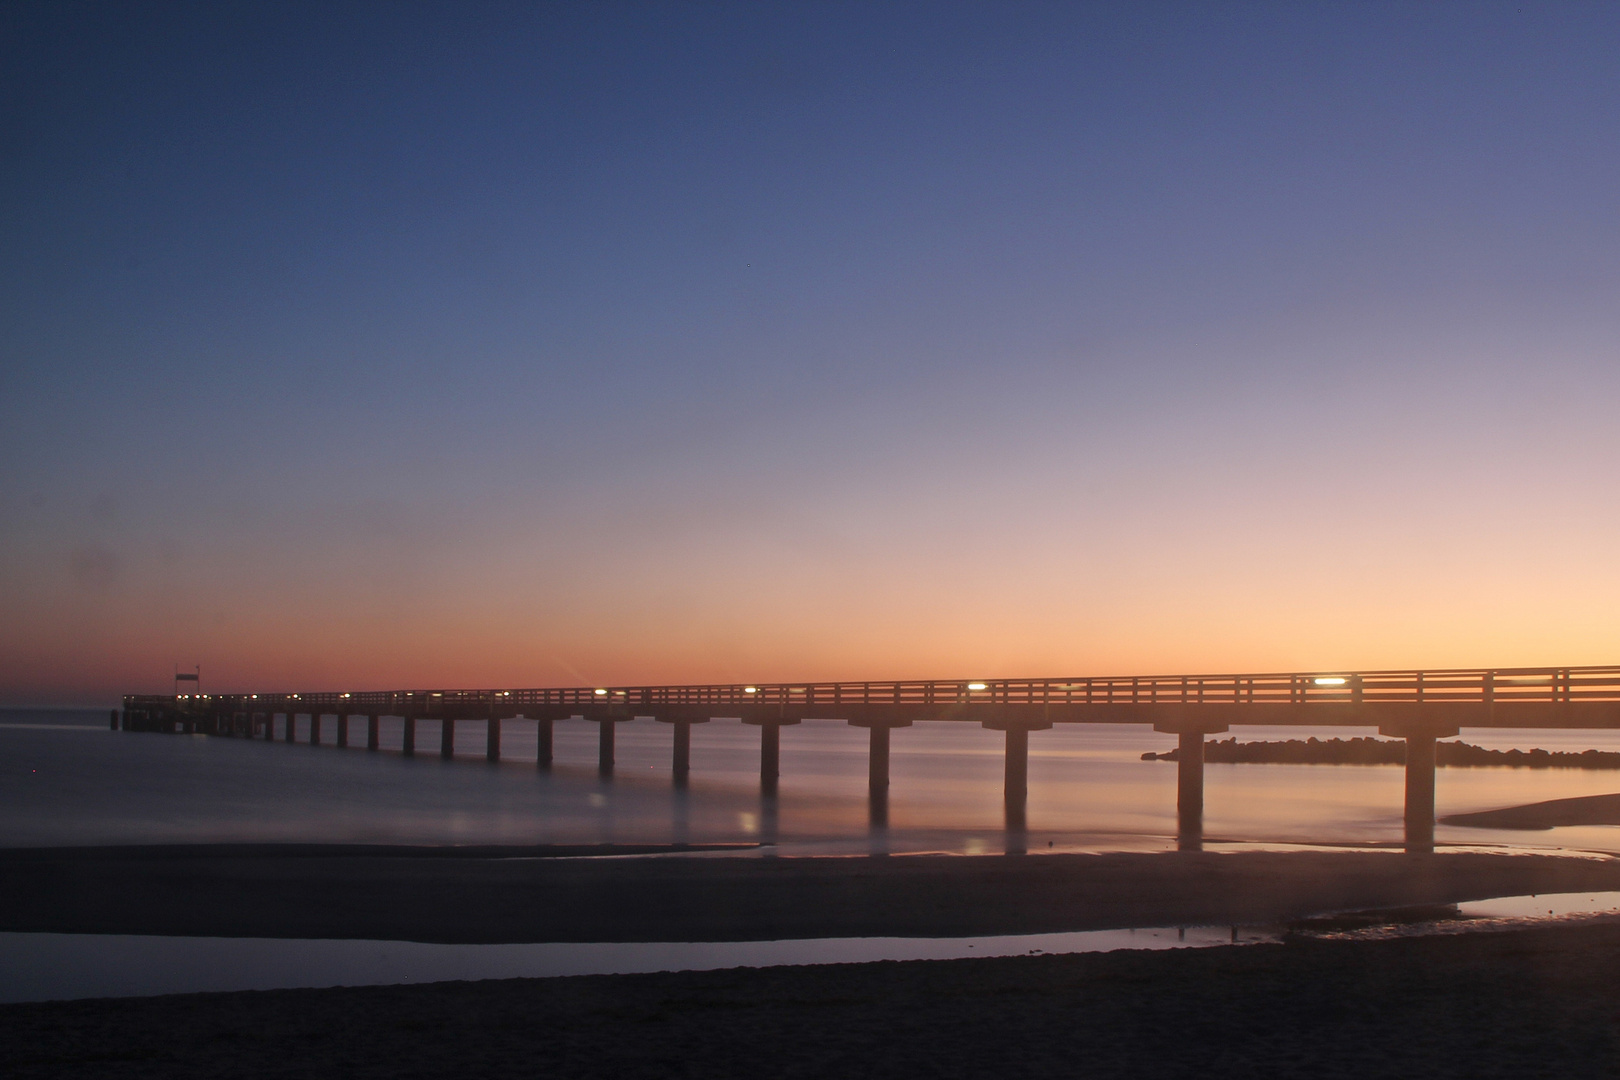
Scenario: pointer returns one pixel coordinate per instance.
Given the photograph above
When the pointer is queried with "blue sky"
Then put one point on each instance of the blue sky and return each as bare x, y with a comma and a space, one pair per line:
521, 340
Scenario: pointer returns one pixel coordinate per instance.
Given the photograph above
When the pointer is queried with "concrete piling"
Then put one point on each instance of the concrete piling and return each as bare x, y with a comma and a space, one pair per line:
604, 746
681, 752
1189, 734
1190, 790
770, 757
770, 750
1420, 737
542, 738
681, 746
1015, 774
492, 740
373, 732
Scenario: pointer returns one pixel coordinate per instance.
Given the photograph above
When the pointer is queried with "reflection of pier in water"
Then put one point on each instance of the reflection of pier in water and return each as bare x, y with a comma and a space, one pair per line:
1418, 706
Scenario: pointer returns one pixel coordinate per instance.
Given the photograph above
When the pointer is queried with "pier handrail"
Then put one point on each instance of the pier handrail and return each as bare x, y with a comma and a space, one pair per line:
1449, 685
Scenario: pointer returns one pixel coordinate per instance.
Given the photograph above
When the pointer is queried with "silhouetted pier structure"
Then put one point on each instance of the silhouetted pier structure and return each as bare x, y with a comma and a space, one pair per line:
1417, 706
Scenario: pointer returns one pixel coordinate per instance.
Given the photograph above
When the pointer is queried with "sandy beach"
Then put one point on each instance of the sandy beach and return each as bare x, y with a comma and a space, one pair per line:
417, 894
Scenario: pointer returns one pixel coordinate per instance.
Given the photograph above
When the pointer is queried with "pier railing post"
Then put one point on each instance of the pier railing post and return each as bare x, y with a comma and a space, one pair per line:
1418, 813
1189, 777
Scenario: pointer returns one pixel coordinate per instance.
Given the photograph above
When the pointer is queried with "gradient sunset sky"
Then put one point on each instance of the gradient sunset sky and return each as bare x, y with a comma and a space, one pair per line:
361, 346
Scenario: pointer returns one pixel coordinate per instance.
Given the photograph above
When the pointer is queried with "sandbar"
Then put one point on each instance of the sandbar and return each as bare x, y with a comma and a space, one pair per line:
404, 894
1585, 810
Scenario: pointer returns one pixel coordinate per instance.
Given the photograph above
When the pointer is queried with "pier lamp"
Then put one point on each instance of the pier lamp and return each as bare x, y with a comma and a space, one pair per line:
750, 689
601, 693
1330, 680
976, 686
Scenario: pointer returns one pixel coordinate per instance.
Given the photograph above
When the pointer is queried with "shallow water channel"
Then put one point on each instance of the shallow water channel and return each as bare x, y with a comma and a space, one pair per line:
46, 967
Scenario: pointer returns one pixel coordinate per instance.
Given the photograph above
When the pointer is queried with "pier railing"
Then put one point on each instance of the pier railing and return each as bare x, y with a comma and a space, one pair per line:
1457, 685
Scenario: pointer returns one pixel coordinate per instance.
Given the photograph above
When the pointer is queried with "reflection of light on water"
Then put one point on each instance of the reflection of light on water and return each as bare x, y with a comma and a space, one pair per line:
1468, 917
1531, 907
975, 846
596, 798
748, 823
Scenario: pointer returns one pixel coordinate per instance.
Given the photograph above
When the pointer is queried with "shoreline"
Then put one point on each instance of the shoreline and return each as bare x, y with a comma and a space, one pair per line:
409, 895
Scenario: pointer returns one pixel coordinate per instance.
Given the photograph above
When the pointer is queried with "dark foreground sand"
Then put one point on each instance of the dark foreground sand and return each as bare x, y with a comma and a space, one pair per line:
1537, 1003
384, 894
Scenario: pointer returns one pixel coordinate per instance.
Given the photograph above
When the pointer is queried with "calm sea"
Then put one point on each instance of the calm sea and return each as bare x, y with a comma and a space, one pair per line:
66, 779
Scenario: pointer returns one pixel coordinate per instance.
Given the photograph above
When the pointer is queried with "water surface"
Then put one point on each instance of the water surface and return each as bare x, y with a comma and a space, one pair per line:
66, 779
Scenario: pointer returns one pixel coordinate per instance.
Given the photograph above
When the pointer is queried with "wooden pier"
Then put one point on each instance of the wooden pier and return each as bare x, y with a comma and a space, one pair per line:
1418, 706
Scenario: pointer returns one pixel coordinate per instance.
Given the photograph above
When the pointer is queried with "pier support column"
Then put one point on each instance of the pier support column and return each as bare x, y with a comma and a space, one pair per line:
770, 750
373, 732
770, 757
343, 729
409, 747
542, 738
269, 727
1015, 777
1420, 755
604, 742
314, 729
877, 766
681, 750
1190, 788
447, 738
292, 724
1189, 778
492, 740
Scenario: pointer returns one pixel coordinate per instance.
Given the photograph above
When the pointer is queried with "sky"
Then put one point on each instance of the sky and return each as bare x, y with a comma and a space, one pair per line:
363, 346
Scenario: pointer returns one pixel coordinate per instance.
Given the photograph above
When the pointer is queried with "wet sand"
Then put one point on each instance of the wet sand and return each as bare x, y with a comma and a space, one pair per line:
1587, 810
404, 894
1533, 1003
